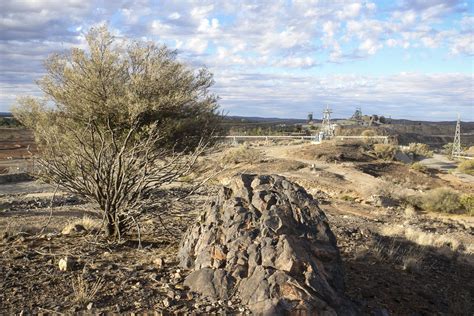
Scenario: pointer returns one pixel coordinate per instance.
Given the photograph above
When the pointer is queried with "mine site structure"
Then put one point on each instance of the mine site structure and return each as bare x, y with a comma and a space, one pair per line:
357, 116
327, 128
457, 151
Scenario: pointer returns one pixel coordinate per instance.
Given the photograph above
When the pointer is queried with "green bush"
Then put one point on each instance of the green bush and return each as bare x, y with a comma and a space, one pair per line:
418, 167
467, 201
444, 200
466, 166
385, 151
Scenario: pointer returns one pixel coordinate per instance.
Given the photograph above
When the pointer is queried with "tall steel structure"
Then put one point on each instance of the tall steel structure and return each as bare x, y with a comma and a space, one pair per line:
457, 139
357, 114
326, 125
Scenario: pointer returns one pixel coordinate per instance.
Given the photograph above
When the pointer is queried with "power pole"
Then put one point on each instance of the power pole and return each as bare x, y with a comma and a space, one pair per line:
457, 139
326, 124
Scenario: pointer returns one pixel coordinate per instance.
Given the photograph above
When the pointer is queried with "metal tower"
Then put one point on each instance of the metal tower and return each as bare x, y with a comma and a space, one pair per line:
357, 114
457, 139
326, 126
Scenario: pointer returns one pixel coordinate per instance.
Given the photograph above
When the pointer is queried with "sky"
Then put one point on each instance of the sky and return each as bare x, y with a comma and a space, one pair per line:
409, 59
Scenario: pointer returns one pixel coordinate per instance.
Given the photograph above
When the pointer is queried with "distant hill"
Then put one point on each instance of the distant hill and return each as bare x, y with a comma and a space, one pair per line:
256, 119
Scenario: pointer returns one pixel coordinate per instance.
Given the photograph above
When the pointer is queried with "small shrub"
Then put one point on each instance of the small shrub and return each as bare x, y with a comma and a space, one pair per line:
470, 150
419, 150
443, 200
84, 291
368, 132
412, 261
467, 201
410, 211
467, 167
385, 151
418, 167
348, 198
447, 149
411, 200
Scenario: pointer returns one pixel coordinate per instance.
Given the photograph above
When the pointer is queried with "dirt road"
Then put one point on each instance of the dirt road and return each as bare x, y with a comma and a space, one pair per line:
443, 163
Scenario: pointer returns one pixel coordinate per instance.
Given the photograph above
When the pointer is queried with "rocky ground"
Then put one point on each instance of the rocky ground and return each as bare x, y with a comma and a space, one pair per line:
396, 261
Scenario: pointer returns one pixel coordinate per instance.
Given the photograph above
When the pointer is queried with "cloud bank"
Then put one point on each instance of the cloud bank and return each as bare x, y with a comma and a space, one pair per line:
409, 59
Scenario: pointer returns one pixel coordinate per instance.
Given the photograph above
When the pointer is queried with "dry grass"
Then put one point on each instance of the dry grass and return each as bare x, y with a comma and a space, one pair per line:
423, 238
87, 223
410, 212
410, 259
242, 154
84, 291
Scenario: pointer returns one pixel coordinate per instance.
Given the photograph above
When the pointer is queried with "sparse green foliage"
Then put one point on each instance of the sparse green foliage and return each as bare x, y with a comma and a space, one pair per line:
418, 167
448, 148
385, 151
419, 150
467, 201
9, 122
118, 121
466, 166
443, 200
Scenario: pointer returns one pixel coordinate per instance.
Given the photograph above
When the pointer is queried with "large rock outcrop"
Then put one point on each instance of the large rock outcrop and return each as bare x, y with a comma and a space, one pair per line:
265, 240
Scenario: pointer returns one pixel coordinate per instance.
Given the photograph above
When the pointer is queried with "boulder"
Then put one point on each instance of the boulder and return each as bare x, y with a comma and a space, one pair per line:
402, 157
265, 240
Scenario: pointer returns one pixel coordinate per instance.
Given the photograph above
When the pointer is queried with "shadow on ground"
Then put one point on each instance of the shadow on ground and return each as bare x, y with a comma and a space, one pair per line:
407, 279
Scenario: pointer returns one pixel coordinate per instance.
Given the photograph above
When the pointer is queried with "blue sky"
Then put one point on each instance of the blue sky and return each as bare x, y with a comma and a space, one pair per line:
276, 58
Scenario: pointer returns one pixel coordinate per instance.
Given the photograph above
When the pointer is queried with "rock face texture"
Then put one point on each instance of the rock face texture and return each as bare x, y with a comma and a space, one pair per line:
265, 241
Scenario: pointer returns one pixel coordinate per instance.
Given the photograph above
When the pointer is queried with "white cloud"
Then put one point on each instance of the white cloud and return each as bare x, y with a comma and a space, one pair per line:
407, 95
296, 62
408, 17
463, 44
235, 38
159, 28
197, 45
350, 11
174, 16
210, 27
370, 46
